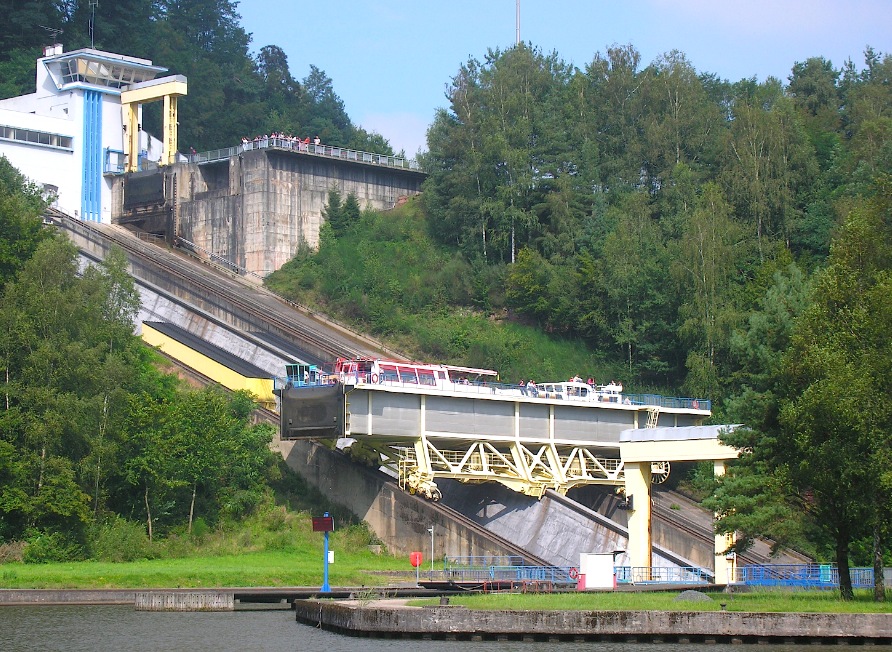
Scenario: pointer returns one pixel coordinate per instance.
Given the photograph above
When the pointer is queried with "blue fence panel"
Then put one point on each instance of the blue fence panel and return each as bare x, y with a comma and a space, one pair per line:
662, 575
802, 575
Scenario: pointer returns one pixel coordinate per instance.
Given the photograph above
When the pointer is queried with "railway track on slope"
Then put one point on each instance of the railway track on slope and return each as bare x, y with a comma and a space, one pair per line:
222, 293
758, 554
696, 532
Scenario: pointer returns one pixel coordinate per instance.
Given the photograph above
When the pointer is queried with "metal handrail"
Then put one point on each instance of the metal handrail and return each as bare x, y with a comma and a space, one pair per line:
662, 575
295, 145
480, 387
555, 575
803, 575
217, 258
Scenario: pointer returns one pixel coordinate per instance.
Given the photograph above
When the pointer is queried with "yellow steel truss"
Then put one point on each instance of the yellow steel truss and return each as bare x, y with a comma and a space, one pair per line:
523, 469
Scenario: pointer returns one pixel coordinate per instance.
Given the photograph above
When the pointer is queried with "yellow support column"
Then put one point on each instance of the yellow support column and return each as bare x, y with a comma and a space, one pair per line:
725, 565
130, 119
169, 151
638, 491
167, 89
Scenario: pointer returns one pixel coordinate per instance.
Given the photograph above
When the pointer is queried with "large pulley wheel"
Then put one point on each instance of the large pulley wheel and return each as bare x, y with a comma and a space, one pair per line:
659, 472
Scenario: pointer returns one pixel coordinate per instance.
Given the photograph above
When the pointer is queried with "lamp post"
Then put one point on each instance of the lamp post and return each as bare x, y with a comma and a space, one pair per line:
431, 530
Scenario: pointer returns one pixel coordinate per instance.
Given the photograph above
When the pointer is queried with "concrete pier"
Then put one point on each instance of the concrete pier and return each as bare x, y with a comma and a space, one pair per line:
385, 619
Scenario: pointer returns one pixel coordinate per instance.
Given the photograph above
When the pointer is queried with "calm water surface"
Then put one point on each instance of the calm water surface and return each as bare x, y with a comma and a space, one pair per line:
122, 629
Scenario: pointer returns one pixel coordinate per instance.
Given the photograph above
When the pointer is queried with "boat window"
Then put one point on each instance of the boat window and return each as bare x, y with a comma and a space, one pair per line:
408, 375
426, 377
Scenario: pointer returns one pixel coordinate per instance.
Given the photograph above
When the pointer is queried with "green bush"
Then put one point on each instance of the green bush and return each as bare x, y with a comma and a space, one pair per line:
46, 547
200, 528
121, 540
356, 537
12, 551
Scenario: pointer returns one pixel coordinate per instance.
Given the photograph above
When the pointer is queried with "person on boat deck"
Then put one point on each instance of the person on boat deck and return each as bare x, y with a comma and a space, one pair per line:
523, 387
532, 390
576, 379
590, 382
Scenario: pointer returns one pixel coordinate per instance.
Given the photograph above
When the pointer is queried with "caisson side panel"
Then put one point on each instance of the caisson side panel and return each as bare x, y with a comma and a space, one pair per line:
315, 412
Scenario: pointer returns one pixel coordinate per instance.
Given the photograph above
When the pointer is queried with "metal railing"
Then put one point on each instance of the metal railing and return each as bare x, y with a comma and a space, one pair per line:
504, 389
216, 258
499, 569
295, 145
662, 575
801, 575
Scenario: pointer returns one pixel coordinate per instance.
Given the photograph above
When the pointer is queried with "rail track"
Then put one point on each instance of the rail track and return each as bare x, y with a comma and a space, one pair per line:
224, 292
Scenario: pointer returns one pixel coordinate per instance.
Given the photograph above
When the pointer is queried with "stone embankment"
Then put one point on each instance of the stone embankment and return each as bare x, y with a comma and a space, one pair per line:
382, 619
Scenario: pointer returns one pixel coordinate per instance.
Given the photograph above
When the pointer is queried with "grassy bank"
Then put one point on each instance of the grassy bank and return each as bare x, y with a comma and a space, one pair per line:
266, 568
775, 601
275, 547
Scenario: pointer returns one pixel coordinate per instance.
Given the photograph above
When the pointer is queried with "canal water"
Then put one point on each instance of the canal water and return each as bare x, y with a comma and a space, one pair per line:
123, 629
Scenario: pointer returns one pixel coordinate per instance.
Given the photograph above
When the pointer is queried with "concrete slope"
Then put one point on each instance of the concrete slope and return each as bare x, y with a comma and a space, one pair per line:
554, 527
403, 522
675, 511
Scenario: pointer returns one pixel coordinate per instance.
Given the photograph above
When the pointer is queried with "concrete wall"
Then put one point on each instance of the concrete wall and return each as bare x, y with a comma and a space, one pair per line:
668, 626
554, 529
257, 208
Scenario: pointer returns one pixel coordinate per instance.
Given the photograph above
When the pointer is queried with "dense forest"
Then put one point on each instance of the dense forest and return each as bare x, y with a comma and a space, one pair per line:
647, 221
92, 435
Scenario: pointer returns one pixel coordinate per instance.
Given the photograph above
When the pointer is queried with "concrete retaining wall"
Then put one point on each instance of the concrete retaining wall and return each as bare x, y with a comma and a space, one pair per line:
668, 626
66, 596
188, 601
257, 208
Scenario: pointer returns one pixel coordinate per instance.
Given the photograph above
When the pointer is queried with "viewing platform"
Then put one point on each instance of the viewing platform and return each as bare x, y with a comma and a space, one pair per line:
311, 149
114, 160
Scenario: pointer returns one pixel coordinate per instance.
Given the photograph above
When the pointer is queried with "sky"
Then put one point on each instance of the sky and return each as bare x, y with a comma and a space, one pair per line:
391, 60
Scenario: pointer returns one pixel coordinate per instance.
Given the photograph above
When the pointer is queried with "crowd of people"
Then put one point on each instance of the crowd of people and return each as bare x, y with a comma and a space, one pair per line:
290, 140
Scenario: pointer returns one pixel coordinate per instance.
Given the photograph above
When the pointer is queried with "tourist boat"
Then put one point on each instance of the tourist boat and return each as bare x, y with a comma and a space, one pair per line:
452, 378
461, 422
393, 372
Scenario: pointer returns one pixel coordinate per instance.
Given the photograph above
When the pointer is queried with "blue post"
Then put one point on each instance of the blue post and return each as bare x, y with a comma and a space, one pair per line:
325, 587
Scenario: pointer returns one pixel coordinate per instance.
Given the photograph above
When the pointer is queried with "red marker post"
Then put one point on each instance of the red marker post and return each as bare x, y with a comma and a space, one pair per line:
324, 523
415, 559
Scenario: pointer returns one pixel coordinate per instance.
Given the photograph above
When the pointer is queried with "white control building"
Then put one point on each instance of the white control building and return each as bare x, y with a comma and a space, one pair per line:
74, 134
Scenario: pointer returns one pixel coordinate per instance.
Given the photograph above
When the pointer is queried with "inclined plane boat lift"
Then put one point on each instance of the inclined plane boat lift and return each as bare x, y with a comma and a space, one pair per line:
431, 421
